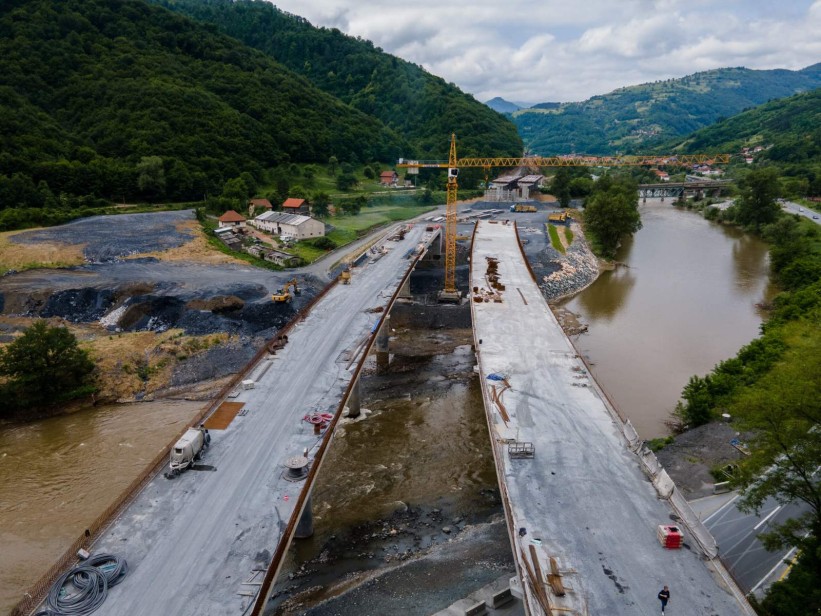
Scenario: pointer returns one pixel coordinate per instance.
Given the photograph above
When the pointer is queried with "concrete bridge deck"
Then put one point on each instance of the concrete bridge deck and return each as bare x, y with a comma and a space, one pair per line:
582, 498
200, 543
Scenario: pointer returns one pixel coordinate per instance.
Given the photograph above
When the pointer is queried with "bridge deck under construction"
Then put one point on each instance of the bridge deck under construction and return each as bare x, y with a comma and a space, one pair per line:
582, 515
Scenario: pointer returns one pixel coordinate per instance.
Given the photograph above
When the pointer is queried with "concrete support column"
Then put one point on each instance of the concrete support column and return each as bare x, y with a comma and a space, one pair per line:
305, 527
382, 346
355, 400
404, 290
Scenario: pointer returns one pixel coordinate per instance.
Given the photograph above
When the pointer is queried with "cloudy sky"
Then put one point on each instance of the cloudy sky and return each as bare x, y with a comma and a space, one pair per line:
569, 50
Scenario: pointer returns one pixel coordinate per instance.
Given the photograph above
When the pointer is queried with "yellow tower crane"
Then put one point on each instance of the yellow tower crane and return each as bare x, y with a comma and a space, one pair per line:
450, 293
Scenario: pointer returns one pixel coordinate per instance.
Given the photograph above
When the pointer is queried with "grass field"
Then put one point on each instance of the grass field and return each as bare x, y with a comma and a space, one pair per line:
349, 228
554, 238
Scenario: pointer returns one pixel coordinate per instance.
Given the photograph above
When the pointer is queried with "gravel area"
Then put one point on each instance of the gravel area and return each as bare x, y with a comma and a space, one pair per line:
691, 456
112, 237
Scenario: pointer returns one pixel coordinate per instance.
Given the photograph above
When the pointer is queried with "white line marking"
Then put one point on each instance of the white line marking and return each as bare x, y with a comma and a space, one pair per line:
769, 515
780, 563
724, 506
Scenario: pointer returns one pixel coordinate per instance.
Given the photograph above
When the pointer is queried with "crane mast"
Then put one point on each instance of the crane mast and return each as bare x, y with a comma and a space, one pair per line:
450, 292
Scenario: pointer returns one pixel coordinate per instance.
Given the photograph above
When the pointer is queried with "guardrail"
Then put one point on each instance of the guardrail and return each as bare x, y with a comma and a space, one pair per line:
37, 593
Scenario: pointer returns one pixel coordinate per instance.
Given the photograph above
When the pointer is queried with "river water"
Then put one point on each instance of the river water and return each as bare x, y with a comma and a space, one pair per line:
58, 474
686, 300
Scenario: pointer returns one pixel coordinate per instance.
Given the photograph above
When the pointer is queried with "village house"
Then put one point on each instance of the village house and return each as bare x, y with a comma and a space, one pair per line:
289, 226
663, 176
258, 206
292, 205
232, 219
388, 178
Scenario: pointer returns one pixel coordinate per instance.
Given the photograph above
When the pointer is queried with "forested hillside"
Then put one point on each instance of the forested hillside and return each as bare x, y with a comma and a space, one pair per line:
788, 129
93, 91
638, 117
421, 107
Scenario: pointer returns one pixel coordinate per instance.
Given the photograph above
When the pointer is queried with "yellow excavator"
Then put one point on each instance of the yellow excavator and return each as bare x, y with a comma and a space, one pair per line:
283, 295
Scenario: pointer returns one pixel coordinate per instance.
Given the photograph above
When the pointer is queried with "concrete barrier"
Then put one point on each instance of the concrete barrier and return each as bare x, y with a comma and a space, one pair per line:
722, 487
503, 597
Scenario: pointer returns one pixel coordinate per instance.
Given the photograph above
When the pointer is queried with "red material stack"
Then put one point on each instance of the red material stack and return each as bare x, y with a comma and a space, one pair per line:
670, 537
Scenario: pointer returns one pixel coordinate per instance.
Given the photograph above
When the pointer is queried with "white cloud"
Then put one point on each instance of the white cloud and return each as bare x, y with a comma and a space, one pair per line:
556, 50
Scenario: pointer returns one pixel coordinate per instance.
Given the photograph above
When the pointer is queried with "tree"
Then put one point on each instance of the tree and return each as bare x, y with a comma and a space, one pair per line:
151, 176
333, 161
560, 187
320, 205
611, 213
45, 367
236, 190
757, 205
783, 411
346, 181
352, 207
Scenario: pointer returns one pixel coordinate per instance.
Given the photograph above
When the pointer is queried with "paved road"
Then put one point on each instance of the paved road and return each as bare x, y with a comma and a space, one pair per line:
191, 542
797, 208
582, 498
737, 534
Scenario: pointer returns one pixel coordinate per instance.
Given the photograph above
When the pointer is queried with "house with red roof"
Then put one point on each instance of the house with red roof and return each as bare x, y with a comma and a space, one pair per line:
232, 220
293, 205
388, 178
258, 206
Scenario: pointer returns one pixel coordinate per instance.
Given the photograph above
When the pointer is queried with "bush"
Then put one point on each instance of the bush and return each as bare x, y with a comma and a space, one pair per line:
323, 243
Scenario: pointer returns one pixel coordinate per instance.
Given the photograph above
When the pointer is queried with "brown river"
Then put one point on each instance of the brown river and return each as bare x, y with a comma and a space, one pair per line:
58, 474
686, 301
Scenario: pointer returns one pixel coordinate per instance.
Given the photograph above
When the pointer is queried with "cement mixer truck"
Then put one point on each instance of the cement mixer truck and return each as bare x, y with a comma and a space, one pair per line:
187, 450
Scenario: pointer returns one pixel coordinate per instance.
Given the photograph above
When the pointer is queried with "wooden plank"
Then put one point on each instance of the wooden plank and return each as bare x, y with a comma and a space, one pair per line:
555, 578
536, 584
223, 416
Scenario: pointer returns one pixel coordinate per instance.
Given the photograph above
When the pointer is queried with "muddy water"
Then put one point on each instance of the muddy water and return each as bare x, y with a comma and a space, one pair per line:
686, 301
58, 474
420, 462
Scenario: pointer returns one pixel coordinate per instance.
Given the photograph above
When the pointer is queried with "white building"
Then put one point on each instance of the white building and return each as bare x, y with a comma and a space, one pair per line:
286, 225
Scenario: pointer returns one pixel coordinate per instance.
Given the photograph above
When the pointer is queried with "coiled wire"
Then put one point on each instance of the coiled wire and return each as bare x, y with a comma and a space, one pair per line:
81, 590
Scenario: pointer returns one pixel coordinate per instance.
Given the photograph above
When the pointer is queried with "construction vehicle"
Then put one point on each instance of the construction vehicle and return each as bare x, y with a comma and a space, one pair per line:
453, 164
557, 216
283, 295
521, 207
345, 276
188, 449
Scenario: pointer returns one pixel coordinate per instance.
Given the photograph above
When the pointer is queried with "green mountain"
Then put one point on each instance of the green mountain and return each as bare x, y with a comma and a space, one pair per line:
788, 130
90, 87
421, 107
637, 117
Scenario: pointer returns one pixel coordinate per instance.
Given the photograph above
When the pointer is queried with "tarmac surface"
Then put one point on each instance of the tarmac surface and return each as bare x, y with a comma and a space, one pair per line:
193, 543
582, 498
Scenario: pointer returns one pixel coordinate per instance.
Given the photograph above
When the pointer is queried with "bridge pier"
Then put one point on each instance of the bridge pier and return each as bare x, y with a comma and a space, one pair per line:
404, 290
355, 400
305, 526
382, 346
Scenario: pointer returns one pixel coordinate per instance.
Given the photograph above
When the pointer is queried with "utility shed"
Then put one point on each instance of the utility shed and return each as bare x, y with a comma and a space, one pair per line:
579, 507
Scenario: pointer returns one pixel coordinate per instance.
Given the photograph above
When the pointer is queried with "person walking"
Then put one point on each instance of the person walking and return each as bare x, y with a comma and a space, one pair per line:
664, 597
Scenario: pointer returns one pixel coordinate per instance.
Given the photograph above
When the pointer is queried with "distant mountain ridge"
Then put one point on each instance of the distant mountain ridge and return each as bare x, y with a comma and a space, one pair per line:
501, 105
638, 117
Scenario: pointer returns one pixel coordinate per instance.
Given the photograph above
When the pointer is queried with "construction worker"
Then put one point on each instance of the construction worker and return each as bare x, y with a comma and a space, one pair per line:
664, 597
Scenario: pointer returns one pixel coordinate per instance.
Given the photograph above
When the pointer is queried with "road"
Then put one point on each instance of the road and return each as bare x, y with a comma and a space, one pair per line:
741, 550
192, 542
582, 497
797, 208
